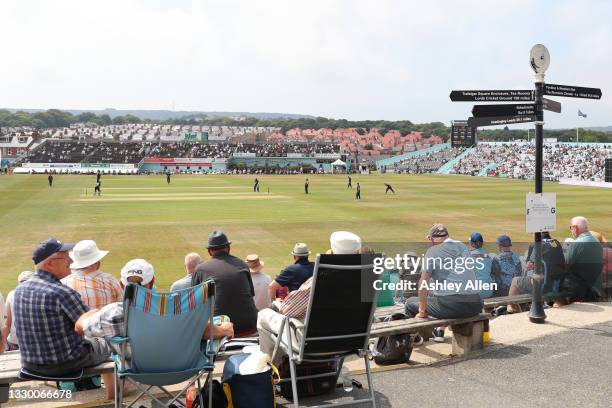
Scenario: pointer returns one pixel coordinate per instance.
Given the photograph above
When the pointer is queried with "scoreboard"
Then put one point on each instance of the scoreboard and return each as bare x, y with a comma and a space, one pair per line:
462, 135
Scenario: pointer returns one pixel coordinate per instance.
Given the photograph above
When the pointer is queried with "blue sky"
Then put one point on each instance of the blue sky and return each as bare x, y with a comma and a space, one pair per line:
349, 59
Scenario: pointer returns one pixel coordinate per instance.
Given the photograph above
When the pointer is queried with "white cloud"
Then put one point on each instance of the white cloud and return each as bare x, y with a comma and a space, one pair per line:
356, 59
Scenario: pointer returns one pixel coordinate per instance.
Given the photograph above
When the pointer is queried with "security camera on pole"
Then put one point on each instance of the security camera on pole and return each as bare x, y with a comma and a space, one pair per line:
540, 214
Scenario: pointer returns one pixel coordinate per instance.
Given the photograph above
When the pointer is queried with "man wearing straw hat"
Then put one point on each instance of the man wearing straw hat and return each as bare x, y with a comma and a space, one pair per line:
295, 274
260, 281
97, 288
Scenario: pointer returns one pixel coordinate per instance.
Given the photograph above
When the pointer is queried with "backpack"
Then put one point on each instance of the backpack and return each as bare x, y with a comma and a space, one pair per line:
310, 386
393, 349
250, 390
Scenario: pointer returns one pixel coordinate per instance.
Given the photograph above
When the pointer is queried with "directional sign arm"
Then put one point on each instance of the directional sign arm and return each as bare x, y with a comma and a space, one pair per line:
551, 105
504, 110
509, 95
499, 120
571, 91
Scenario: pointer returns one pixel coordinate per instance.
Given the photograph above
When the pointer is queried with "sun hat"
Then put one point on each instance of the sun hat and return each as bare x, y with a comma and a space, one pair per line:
47, 248
85, 253
139, 268
255, 264
300, 249
344, 242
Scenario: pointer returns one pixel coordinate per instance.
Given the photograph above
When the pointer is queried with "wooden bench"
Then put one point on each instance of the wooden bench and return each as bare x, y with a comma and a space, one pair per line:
10, 364
489, 304
467, 332
522, 302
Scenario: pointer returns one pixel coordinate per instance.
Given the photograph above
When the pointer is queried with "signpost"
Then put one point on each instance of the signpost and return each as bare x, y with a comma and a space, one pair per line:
540, 207
480, 111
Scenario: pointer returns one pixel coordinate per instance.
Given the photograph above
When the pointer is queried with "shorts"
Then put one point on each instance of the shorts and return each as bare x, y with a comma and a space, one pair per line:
524, 285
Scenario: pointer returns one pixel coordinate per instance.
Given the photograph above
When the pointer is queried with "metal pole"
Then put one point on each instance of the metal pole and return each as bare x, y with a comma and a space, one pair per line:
576, 134
536, 312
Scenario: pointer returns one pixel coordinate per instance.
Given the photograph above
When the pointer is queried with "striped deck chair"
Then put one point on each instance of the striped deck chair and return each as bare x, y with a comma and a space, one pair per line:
163, 341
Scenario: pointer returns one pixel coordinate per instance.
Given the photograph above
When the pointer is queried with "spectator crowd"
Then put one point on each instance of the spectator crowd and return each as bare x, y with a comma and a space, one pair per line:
59, 315
517, 160
428, 163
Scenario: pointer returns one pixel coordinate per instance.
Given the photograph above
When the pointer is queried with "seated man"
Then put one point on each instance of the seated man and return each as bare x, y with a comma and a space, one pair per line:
296, 303
261, 281
192, 260
295, 274
97, 288
584, 263
506, 266
45, 312
109, 321
233, 284
483, 271
445, 268
553, 264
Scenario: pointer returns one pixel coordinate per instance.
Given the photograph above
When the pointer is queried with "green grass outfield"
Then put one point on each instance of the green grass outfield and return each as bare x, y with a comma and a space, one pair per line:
143, 217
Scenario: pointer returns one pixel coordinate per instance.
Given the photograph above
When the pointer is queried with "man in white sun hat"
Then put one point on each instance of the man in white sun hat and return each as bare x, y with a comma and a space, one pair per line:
295, 304
97, 288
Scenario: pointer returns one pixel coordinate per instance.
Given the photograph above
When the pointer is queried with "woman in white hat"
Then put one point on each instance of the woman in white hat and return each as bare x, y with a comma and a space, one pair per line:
97, 288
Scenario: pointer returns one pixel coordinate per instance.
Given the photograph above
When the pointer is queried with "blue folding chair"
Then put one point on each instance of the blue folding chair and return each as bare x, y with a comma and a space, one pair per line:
163, 341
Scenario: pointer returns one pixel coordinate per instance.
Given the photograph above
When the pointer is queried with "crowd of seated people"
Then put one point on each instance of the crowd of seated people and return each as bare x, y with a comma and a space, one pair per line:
61, 151
59, 315
282, 149
517, 160
68, 151
428, 163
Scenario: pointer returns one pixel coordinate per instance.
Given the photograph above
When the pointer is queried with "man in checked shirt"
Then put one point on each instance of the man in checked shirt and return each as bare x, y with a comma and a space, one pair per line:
295, 304
97, 288
45, 312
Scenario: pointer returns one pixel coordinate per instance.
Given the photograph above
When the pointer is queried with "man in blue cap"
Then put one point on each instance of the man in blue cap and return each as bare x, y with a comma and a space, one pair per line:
45, 313
482, 269
506, 266
234, 289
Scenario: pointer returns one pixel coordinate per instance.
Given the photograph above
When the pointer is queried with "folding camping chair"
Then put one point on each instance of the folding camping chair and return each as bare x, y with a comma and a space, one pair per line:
338, 319
162, 344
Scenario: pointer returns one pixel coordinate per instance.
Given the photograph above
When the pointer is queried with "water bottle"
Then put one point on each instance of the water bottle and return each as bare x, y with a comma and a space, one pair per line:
347, 384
